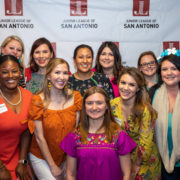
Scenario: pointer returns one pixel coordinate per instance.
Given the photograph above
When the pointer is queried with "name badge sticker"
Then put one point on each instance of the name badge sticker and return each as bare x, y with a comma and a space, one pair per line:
3, 108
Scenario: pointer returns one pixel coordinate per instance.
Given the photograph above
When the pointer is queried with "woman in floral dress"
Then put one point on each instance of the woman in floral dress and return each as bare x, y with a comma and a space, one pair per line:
84, 78
137, 117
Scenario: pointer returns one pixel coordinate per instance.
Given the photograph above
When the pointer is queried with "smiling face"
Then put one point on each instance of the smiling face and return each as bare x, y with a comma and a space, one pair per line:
83, 60
95, 106
13, 48
128, 87
148, 65
59, 76
9, 74
106, 58
42, 55
170, 74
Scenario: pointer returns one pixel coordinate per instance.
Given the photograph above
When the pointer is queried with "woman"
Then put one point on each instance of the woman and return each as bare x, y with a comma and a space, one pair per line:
166, 101
40, 55
14, 106
136, 116
98, 148
53, 113
13, 45
108, 61
84, 78
147, 64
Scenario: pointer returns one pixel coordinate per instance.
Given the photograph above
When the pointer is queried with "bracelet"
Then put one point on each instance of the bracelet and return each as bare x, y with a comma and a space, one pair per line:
2, 166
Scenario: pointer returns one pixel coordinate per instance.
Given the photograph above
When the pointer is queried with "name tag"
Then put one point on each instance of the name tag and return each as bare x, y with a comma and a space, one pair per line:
3, 108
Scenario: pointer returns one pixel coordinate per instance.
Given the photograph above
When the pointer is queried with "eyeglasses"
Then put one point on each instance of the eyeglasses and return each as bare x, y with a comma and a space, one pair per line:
152, 63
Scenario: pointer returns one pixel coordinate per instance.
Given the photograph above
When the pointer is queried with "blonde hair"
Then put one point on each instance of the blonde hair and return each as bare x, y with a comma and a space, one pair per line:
45, 90
16, 38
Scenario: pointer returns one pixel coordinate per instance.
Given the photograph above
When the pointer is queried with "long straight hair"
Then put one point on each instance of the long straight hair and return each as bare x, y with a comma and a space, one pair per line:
117, 59
109, 123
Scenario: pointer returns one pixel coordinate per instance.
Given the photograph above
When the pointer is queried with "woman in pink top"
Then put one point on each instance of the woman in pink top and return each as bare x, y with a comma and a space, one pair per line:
108, 61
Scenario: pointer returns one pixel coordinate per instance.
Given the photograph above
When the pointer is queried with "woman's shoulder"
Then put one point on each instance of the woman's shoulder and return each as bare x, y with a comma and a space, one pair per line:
28, 74
37, 98
115, 101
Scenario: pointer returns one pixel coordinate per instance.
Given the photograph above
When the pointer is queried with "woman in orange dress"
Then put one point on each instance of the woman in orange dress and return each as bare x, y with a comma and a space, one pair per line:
53, 114
14, 136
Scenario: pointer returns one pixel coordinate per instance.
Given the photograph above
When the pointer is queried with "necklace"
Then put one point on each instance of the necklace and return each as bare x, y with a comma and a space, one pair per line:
83, 78
20, 99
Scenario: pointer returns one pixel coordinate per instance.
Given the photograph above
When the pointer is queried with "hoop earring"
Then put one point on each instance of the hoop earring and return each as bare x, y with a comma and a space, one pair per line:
49, 85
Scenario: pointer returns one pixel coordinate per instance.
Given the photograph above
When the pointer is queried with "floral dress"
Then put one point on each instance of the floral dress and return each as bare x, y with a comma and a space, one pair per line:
35, 83
97, 79
143, 135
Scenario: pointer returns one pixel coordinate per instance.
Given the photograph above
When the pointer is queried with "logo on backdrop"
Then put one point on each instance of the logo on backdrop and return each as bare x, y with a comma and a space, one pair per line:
13, 7
78, 7
141, 7
170, 44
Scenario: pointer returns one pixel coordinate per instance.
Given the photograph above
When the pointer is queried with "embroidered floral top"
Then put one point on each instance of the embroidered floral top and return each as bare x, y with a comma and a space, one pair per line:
97, 158
143, 135
97, 79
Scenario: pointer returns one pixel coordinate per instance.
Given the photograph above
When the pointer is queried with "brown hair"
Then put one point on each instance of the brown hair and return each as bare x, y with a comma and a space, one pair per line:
117, 59
144, 54
142, 99
171, 58
109, 122
33, 66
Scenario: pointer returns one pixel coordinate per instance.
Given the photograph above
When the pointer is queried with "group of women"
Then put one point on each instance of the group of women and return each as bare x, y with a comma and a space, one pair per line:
108, 122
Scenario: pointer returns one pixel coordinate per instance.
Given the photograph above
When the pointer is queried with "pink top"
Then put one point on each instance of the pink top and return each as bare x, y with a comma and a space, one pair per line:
115, 86
97, 158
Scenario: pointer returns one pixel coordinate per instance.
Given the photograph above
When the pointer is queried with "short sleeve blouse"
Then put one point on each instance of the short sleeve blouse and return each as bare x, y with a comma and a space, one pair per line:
56, 125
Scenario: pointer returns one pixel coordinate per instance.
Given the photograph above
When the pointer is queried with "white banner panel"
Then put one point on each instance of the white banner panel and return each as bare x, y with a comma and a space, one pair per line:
136, 25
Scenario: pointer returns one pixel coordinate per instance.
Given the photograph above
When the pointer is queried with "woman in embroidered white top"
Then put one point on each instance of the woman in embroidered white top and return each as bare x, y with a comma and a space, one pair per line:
166, 100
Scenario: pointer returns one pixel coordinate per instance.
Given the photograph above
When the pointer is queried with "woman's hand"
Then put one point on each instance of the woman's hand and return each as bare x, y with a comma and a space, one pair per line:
56, 171
5, 174
135, 170
22, 172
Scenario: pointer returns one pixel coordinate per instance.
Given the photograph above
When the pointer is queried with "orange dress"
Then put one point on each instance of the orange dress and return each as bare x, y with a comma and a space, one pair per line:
11, 129
56, 125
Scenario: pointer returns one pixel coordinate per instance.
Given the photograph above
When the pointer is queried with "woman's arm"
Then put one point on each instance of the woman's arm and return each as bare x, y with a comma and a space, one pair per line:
21, 169
41, 141
71, 168
125, 162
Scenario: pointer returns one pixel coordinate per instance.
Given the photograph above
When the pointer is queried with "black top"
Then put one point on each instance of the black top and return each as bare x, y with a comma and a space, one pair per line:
98, 79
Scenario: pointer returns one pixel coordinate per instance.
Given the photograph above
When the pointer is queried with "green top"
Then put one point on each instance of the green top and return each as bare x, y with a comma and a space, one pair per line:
35, 83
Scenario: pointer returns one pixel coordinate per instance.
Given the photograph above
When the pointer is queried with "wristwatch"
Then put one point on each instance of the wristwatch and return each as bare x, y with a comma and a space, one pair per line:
23, 161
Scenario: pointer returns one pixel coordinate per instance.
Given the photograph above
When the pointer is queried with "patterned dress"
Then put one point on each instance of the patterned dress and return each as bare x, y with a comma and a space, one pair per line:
146, 150
35, 83
97, 158
97, 79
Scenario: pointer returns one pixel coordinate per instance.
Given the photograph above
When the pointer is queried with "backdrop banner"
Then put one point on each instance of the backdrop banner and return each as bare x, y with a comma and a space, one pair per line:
134, 25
